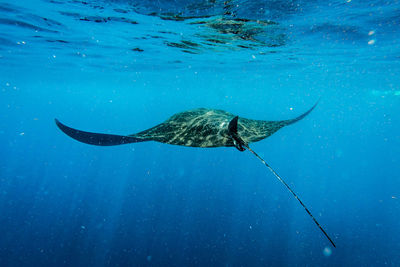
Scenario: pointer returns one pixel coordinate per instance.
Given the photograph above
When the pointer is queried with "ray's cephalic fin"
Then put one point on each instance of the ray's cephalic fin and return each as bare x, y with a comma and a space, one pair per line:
97, 139
232, 130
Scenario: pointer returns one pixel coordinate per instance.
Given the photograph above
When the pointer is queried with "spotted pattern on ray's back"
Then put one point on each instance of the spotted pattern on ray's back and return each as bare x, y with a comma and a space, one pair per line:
208, 128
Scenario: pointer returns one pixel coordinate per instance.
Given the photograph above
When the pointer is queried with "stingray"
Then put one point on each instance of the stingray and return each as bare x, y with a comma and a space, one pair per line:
201, 128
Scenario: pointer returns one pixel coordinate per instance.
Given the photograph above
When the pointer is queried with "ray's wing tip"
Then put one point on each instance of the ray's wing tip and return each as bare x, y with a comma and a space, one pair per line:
311, 109
316, 103
59, 124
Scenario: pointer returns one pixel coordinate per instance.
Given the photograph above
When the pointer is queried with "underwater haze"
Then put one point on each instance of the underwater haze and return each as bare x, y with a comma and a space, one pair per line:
123, 66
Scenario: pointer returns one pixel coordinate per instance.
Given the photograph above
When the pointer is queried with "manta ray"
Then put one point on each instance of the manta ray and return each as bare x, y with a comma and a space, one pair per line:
200, 127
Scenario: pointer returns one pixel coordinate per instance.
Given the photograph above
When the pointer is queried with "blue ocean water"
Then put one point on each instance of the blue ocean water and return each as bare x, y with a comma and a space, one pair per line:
123, 66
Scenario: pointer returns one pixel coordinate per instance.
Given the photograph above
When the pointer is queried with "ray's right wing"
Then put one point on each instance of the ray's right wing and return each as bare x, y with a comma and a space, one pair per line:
97, 139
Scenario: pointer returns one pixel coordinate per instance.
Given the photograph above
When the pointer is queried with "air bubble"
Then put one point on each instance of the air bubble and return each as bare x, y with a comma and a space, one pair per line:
327, 251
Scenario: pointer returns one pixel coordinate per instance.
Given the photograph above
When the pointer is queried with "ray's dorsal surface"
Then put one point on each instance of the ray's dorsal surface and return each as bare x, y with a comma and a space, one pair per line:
200, 128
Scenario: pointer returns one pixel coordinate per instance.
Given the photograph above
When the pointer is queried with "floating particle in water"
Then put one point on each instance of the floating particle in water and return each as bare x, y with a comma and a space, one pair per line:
371, 42
371, 33
385, 93
338, 153
327, 251
181, 172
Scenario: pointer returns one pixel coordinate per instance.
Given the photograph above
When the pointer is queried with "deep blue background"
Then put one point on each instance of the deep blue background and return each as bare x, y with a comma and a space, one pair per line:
67, 203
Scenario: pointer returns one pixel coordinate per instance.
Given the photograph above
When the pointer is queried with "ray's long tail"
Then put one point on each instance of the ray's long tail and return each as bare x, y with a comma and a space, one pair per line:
290, 189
